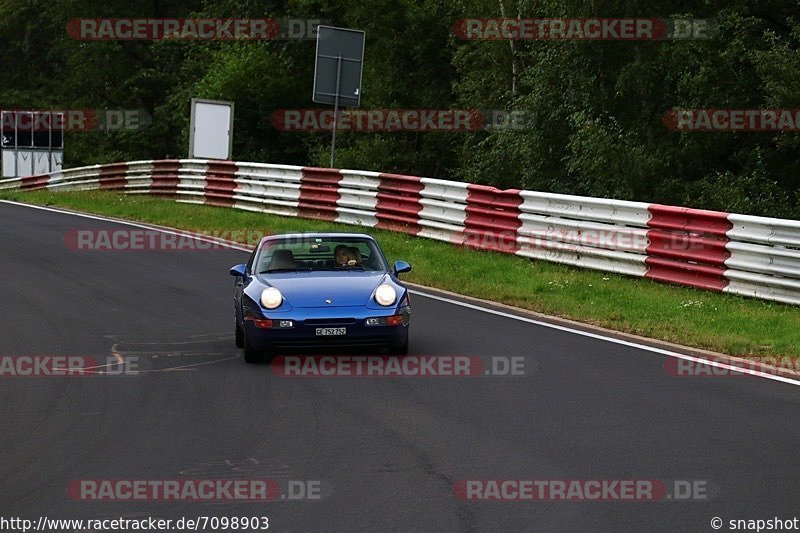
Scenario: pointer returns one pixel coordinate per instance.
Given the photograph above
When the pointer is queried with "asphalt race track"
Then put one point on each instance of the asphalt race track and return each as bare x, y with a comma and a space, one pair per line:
387, 452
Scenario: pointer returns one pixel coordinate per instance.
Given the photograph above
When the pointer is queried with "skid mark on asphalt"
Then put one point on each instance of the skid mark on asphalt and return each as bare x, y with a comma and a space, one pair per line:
211, 348
249, 467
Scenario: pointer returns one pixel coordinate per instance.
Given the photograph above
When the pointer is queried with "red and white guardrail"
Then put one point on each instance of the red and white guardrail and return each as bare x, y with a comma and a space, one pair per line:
724, 252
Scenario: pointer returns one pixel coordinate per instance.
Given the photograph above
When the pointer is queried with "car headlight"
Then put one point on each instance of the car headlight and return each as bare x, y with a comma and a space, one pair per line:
271, 298
385, 295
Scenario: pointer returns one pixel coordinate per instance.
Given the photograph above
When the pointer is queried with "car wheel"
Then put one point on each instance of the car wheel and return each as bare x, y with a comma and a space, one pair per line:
398, 349
239, 336
251, 355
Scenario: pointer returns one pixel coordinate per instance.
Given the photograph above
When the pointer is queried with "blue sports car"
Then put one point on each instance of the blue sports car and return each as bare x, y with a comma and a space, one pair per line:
324, 290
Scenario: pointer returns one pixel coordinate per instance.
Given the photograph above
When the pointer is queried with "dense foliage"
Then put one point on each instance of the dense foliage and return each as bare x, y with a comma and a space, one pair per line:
597, 108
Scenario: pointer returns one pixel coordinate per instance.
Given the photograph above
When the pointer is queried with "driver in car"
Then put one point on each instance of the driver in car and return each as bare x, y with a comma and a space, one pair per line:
355, 255
341, 255
344, 257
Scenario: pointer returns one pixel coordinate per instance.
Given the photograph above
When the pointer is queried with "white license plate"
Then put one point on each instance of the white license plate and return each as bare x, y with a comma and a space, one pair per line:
325, 332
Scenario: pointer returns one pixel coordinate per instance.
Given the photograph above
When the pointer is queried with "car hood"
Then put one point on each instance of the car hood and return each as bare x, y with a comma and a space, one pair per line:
312, 289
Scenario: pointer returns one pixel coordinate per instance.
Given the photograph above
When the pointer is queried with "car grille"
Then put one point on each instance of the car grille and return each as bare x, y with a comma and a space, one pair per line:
330, 342
330, 321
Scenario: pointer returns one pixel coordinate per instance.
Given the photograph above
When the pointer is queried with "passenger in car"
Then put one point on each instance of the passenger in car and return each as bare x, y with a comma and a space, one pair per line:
341, 255
355, 254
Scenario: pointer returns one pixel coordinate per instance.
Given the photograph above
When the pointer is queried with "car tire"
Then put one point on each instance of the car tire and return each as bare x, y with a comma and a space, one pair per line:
239, 335
398, 349
251, 356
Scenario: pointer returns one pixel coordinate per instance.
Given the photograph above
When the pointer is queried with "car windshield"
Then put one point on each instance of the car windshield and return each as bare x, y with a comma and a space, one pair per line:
298, 254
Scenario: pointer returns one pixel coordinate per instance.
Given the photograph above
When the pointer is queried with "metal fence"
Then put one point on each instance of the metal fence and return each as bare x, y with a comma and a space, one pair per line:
747, 255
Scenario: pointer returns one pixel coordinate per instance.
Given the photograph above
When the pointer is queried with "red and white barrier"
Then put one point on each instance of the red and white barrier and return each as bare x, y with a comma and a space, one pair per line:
271, 189
751, 256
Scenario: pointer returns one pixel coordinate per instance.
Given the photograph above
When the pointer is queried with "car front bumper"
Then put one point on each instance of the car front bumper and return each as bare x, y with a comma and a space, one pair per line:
303, 332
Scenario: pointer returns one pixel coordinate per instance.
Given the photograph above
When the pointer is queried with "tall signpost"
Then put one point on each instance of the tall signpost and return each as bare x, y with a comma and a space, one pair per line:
337, 71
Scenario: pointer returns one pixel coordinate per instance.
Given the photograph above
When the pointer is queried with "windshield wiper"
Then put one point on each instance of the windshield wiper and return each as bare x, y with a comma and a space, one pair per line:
273, 270
359, 268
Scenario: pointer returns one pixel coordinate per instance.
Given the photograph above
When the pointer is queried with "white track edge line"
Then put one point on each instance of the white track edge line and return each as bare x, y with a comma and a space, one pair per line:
597, 336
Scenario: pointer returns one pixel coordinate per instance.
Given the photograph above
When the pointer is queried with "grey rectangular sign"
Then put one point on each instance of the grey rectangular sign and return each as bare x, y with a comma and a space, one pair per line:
340, 57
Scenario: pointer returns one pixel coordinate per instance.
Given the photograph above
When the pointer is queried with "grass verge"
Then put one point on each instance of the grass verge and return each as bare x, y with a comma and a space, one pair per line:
718, 322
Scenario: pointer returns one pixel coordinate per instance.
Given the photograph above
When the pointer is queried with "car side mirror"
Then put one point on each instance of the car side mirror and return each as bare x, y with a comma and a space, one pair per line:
401, 266
239, 270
